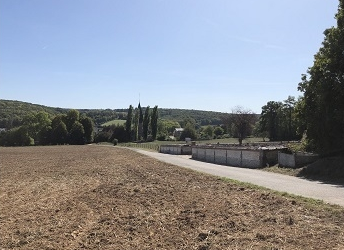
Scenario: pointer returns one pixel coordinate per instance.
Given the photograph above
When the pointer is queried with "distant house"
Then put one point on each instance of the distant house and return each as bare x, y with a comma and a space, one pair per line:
178, 132
97, 129
2, 130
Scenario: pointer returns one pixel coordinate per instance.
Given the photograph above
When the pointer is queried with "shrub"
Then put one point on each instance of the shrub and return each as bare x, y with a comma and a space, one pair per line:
103, 136
115, 142
161, 137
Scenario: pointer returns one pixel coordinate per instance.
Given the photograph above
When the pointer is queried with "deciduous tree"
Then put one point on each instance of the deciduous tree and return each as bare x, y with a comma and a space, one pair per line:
119, 134
209, 132
77, 134
73, 116
323, 88
218, 131
269, 119
36, 123
88, 125
189, 132
243, 121
59, 133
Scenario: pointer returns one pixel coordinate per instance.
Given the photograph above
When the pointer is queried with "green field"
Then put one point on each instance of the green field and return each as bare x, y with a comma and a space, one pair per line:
113, 122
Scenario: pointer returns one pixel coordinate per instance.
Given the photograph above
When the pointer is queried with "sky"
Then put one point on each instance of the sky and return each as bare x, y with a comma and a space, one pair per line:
209, 55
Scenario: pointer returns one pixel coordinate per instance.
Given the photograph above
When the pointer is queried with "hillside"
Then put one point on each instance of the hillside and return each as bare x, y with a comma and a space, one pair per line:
12, 113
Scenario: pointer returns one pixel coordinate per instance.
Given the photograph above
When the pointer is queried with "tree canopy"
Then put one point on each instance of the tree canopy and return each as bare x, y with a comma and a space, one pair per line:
279, 120
242, 121
43, 129
323, 88
188, 132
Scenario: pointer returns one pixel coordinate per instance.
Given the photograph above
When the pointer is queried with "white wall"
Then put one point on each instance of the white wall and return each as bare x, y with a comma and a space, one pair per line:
251, 159
295, 160
230, 157
221, 156
175, 149
286, 160
234, 158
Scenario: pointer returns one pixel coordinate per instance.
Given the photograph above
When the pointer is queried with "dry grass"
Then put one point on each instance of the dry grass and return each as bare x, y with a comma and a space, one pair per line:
89, 197
282, 170
328, 170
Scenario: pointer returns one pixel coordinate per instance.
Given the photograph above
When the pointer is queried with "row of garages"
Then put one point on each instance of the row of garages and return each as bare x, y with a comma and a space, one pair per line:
240, 157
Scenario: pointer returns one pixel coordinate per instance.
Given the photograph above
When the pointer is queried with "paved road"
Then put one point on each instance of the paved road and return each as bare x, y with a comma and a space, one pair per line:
328, 193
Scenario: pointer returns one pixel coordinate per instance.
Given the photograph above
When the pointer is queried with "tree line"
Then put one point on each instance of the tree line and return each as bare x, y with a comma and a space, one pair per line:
280, 121
141, 125
12, 114
40, 128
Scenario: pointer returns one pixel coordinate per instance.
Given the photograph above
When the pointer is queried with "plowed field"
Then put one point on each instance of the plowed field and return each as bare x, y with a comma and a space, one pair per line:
93, 197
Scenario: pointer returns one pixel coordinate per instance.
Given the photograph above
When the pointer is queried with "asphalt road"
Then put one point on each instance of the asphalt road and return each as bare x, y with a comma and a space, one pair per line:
333, 194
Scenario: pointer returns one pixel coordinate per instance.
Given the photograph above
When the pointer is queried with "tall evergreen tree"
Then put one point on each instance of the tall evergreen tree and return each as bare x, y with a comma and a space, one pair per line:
146, 121
154, 122
323, 89
140, 127
136, 125
128, 122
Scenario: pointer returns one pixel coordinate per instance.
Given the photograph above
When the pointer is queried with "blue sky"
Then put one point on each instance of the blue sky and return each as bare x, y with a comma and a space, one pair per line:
205, 54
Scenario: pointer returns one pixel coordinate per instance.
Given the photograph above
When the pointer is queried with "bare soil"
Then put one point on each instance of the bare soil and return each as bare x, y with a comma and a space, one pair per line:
93, 197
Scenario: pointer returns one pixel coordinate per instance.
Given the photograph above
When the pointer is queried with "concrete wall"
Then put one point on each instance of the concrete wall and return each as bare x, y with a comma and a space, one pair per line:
209, 155
286, 160
176, 149
233, 156
221, 156
295, 160
302, 159
199, 154
251, 159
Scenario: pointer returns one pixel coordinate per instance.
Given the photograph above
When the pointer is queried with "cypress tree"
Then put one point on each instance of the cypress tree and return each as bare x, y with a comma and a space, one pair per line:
146, 121
140, 129
154, 122
128, 122
136, 125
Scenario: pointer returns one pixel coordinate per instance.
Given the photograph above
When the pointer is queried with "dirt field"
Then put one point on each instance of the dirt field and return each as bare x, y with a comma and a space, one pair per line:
93, 197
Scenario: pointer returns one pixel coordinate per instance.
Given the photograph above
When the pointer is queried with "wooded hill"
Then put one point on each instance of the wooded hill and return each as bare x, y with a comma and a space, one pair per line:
12, 113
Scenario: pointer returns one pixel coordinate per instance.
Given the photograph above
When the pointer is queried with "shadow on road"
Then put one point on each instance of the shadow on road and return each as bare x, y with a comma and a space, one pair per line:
327, 170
